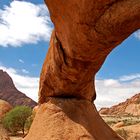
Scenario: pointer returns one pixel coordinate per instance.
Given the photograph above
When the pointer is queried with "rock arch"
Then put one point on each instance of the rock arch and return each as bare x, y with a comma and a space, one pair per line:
86, 31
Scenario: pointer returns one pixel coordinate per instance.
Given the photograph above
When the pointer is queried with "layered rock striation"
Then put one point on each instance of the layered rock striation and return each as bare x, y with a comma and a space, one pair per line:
129, 107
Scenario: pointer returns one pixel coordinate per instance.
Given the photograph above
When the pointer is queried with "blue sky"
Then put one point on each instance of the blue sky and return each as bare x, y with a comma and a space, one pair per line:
23, 47
123, 60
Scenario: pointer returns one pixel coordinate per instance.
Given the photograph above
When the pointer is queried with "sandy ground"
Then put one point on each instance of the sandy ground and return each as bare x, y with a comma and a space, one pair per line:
16, 138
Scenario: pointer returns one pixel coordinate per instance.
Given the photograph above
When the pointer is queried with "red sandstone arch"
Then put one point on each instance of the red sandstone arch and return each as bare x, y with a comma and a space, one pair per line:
85, 32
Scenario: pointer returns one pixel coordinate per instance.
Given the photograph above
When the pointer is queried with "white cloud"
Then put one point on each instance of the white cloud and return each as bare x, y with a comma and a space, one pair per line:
21, 61
111, 82
23, 23
26, 84
25, 71
109, 91
129, 77
114, 91
137, 34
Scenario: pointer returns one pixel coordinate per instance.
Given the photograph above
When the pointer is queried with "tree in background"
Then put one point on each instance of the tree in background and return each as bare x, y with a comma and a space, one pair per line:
16, 119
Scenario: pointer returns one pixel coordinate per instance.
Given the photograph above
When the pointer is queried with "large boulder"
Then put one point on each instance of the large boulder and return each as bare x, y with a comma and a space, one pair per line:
133, 109
104, 111
4, 108
69, 119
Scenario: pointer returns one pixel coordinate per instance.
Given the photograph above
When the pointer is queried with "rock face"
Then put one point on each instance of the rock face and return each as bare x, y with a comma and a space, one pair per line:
130, 106
3, 134
9, 93
86, 31
4, 108
69, 119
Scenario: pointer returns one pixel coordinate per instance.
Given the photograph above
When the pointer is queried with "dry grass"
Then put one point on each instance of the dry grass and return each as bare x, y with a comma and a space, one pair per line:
4, 135
131, 128
128, 120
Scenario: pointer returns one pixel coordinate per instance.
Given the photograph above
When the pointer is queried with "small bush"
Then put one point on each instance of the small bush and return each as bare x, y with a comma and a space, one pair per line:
110, 122
15, 120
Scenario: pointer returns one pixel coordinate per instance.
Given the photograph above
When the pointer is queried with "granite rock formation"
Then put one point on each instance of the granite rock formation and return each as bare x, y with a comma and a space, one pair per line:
69, 119
130, 106
86, 31
4, 108
9, 92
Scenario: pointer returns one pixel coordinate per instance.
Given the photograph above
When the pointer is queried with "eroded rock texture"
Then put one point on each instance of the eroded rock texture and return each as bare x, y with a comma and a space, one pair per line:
86, 31
130, 106
4, 108
69, 119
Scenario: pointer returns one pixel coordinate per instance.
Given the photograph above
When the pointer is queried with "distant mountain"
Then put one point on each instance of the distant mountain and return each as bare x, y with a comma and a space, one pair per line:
130, 106
9, 92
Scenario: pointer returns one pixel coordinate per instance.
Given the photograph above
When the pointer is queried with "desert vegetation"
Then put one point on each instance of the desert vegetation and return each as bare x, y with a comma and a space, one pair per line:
127, 120
127, 126
16, 122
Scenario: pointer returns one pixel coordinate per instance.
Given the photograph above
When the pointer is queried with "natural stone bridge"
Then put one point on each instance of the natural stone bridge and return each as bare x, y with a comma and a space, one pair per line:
86, 31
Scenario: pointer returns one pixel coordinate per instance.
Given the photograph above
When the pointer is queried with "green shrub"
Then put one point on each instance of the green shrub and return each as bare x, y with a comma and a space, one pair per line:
131, 121
111, 122
15, 120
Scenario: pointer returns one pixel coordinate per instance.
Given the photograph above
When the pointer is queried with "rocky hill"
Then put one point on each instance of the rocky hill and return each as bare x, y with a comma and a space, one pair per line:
4, 108
9, 92
130, 106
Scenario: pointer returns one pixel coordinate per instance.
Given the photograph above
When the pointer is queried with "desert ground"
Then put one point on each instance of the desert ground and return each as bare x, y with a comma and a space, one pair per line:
128, 127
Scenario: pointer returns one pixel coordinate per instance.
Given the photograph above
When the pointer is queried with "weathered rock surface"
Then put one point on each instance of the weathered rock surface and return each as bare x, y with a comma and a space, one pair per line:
133, 109
119, 124
104, 111
86, 31
9, 93
130, 106
69, 119
3, 134
4, 108
35, 109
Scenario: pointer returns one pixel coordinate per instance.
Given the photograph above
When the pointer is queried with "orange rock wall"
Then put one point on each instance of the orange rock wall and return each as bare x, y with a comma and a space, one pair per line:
86, 31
